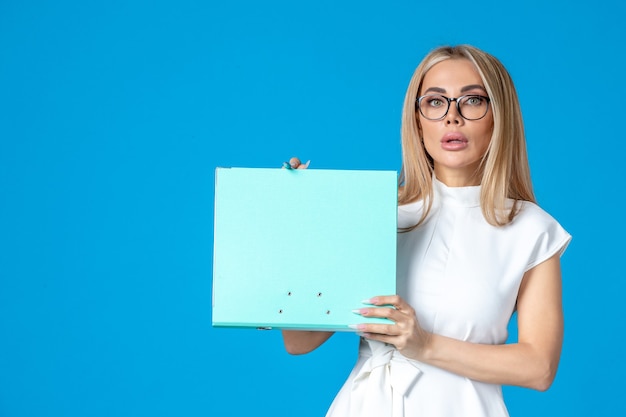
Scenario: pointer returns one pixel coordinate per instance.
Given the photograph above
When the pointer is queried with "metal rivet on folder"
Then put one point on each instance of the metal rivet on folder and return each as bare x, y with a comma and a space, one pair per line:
319, 294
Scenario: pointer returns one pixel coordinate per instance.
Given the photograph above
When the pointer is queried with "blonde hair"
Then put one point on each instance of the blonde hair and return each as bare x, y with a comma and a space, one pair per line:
505, 170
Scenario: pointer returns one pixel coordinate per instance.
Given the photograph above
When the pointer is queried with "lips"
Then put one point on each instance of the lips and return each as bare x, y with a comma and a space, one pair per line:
454, 141
453, 137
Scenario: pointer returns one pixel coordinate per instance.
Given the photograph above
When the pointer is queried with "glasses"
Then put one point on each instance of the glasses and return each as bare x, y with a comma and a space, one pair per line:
436, 106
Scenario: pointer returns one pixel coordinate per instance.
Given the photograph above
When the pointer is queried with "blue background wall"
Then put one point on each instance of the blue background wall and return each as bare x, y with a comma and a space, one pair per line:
114, 115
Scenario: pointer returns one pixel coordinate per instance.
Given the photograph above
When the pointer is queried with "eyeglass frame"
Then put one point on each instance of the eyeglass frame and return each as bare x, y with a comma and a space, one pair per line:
450, 100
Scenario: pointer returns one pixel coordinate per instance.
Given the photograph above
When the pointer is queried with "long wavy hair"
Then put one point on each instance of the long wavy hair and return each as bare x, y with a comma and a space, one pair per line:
505, 172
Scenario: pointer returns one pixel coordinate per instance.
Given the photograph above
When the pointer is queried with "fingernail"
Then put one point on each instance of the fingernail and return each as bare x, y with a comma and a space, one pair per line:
356, 326
357, 311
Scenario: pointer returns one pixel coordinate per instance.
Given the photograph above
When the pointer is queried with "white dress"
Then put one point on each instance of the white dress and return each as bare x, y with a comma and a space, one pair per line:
462, 276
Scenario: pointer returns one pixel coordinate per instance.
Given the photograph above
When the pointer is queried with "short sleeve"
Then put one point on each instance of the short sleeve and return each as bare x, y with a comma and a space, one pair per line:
550, 238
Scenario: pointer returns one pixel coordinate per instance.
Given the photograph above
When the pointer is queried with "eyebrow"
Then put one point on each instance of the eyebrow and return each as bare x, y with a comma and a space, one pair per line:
463, 90
473, 87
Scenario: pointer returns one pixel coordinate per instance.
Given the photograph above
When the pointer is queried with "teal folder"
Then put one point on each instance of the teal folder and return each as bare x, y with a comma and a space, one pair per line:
301, 249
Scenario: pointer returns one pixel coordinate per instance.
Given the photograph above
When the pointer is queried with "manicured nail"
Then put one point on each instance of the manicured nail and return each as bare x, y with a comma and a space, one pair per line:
356, 326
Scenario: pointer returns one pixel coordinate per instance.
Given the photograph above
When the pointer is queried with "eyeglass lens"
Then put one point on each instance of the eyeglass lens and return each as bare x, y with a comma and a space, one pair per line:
435, 107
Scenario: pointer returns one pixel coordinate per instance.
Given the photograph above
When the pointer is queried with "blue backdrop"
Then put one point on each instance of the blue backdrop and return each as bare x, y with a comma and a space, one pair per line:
114, 116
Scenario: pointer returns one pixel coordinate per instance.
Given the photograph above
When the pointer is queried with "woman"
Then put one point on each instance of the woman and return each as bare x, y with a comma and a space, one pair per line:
473, 247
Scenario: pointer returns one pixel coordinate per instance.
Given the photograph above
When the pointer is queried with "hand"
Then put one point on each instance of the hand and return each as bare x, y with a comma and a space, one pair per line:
406, 334
295, 163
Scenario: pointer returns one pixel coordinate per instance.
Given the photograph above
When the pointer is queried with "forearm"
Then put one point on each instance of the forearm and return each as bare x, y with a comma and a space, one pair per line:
520, 364
298, 342
532, 362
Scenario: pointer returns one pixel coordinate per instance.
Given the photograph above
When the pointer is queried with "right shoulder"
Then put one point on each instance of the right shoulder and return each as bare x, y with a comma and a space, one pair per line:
409, 214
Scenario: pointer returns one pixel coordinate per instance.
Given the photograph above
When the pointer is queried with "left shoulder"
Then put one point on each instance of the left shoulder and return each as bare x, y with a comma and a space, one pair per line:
531, 214
541, 231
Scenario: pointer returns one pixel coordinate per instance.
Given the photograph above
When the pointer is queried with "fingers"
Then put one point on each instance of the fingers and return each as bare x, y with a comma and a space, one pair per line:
372, 331
295, 163
389, 300
405, 332
391, 307
379, 312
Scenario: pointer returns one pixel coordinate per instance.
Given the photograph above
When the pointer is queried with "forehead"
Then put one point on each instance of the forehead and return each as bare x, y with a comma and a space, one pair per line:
452, 74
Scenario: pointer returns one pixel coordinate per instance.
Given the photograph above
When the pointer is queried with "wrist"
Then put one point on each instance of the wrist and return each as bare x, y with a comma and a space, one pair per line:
426, 350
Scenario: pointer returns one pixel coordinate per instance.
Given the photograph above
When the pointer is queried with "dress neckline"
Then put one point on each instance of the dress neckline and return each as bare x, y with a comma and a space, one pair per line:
458, 196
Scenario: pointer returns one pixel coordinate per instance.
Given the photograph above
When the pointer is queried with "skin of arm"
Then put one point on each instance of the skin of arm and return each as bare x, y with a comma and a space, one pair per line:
530, 362
298, 342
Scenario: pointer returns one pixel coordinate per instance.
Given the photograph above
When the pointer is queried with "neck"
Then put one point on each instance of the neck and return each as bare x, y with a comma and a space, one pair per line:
458, 178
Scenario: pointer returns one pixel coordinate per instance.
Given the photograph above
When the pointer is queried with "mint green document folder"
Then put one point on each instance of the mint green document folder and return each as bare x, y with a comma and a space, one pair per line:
301, 249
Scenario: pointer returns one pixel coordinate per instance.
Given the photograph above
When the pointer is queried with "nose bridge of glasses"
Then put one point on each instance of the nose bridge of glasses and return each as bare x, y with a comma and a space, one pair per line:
457, 106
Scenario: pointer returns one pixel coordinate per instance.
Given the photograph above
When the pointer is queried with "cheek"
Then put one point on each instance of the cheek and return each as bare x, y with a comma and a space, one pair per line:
430, 135
484, 141
485, 132
431, 146
426, 130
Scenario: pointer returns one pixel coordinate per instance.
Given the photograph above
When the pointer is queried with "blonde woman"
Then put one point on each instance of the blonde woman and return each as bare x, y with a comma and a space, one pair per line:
473, 248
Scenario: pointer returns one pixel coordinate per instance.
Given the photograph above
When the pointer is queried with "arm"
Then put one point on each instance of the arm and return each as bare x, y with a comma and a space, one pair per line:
298, 342
531, 362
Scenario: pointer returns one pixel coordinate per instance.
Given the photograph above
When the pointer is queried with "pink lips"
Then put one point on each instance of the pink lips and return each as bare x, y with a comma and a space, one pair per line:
453, 141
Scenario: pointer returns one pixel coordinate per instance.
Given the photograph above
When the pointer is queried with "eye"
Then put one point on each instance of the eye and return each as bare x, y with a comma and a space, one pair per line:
473, 100
435, 101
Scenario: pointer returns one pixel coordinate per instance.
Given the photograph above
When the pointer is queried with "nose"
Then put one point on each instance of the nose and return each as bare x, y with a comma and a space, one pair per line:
453, 116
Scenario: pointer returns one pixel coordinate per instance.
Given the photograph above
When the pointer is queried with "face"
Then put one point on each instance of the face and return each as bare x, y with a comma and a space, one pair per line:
455, 144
